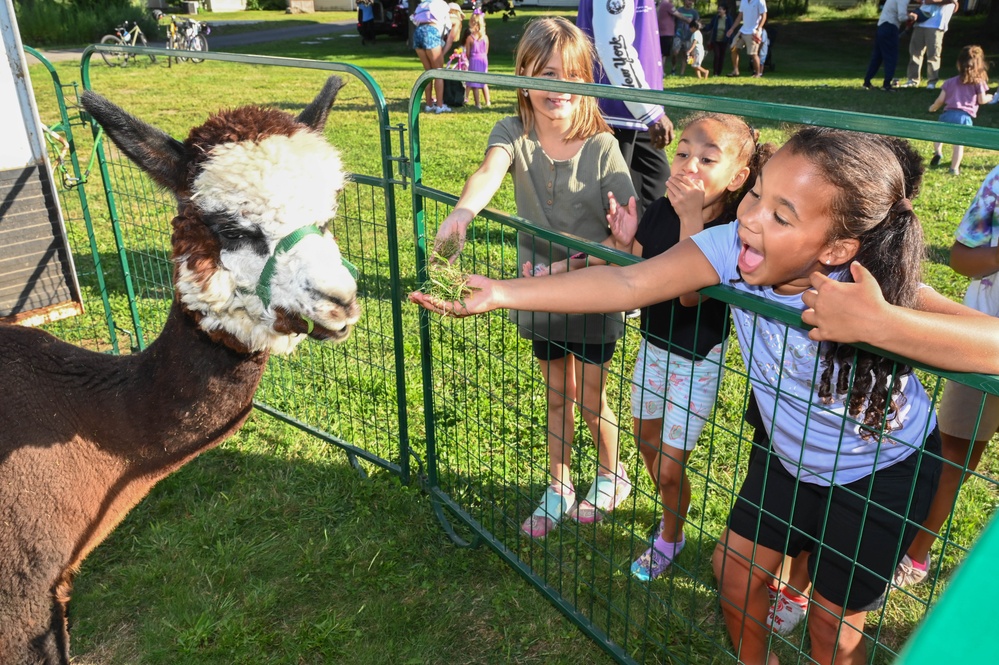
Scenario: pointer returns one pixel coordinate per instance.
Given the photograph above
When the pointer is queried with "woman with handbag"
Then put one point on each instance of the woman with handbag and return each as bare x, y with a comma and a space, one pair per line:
968, 418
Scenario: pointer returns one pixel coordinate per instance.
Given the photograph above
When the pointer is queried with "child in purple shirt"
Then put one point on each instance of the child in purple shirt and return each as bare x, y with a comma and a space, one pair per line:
960, 98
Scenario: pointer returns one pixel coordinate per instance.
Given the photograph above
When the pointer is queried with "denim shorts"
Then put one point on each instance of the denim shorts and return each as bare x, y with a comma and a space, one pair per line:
427, 36
956, 117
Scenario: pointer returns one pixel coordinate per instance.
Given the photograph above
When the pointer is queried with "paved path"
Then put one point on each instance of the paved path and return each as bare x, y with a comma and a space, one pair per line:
222, 41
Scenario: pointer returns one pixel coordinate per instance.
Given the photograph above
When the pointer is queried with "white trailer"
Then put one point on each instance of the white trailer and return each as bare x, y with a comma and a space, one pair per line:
37, 276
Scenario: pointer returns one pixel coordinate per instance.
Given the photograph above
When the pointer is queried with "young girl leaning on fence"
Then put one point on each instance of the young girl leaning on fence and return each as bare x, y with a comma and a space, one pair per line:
846, 438
565, 162
969, 343
680, 359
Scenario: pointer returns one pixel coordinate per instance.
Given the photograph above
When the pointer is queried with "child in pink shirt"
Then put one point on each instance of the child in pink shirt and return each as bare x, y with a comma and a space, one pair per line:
960, 98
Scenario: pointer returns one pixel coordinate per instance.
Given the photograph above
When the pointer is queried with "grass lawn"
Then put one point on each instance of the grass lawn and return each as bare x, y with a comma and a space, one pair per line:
271, 549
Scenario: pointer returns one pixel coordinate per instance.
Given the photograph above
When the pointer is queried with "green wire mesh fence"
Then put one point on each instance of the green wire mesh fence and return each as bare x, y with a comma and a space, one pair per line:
488, 451
467, 396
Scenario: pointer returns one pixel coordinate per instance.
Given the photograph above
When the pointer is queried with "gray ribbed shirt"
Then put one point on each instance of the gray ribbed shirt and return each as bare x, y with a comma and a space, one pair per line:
568, 196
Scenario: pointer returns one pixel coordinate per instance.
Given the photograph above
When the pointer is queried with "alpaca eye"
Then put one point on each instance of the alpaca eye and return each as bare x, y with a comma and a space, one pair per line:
232, 234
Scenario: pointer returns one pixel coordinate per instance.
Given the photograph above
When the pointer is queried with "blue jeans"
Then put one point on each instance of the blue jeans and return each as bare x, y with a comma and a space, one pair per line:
885, 50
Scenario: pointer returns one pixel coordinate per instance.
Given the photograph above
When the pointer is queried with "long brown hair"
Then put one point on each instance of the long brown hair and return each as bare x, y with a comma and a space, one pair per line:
872, 206
544, 38
972, 66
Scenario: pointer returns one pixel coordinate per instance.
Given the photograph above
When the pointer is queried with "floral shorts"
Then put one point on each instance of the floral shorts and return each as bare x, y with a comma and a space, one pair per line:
427, 36
680, 391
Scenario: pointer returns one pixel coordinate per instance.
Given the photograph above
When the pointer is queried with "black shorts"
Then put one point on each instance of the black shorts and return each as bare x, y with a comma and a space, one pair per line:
666, 44
595, 353
856, 548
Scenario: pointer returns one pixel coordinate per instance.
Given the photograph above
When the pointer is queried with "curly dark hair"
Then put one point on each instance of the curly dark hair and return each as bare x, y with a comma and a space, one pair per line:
876, 177
750, 152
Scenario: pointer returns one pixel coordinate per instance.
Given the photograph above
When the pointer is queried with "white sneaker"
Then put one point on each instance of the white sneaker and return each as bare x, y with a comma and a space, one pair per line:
786, 614
932, 85
443, 108
906, 574
429, 108
911, 83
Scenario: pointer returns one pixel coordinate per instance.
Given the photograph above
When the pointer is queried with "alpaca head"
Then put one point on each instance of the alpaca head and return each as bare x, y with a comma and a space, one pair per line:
256, 189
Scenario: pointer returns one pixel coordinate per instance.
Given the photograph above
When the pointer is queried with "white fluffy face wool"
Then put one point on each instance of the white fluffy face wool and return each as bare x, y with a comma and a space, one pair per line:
276, 186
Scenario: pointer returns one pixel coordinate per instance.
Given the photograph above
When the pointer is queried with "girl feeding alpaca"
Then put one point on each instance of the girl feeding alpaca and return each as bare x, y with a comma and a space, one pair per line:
847, 428
477, 48
565, 162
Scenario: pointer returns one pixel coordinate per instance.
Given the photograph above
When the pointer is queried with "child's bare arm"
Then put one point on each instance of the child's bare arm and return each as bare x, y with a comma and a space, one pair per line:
687, 197
938, 102
599, 289
476, 194
975, 262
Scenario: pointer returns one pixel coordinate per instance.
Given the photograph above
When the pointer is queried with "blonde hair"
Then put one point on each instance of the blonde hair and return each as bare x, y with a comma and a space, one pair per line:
547, 37
972, 66
477, 25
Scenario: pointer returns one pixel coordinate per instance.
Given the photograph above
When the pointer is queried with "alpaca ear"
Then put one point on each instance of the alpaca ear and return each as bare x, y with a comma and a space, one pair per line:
153, 150
314, 115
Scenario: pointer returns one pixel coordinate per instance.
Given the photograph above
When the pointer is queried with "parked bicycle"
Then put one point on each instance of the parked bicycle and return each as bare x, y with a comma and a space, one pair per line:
187, 34
124, 36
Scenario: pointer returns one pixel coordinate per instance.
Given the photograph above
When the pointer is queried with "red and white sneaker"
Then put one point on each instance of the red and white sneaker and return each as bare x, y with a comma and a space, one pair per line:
787, 613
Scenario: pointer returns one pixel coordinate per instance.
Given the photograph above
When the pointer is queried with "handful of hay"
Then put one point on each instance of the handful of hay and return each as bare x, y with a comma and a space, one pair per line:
446, 282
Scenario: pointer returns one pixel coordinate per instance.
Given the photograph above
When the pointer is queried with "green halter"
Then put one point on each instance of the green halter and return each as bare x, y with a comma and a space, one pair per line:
263, 290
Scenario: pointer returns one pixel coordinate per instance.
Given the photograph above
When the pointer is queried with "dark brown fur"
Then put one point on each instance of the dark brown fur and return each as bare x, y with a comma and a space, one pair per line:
84, 436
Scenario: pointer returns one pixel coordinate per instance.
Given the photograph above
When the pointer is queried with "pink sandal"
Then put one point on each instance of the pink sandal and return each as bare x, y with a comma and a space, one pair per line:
605, 494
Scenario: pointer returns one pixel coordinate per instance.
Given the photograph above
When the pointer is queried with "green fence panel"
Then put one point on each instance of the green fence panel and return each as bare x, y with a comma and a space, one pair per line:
487, 456
94, 328
313, 388
475, 397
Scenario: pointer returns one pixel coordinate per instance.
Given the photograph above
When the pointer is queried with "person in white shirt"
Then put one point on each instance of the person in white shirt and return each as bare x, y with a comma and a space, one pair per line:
752, 16
927, 38
894, 15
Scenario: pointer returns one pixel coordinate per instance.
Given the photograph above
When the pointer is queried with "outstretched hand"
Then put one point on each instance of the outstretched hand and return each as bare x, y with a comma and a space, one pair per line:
450, 239
477, 301
623, 221
846, 312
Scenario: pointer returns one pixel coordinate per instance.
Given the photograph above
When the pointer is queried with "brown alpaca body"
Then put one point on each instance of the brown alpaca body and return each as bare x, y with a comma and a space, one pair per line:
114, 427
84, 436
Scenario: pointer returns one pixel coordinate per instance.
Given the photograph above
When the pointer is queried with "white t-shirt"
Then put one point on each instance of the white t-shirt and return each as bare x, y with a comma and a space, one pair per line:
751, 10
697, 41
820, 438
939, 20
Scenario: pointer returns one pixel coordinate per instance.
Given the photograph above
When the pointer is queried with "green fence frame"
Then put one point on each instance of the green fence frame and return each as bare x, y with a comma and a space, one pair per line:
383, 440
453, 485
77, 209
458, 497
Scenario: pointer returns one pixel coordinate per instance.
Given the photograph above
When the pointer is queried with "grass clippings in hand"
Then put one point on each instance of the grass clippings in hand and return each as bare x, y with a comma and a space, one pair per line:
446, 282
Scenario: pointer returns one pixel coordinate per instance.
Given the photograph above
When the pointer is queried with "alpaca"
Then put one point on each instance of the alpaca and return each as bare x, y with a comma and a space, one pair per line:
84, 436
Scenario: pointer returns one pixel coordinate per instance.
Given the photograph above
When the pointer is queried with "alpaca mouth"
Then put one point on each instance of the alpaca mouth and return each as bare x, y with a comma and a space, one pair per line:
336, 330
321, 334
